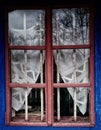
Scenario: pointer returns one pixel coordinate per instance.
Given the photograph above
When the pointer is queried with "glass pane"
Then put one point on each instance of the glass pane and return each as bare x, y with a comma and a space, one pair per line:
71, 65
70, 26
28, 105
26, 27
66, 99
27, 66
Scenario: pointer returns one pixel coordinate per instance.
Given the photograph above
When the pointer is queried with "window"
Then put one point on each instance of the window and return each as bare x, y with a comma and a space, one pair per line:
50, 67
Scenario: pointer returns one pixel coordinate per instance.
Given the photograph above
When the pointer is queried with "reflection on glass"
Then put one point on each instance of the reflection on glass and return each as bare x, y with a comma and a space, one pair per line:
27, 66
26, 27
70, 26
29, 105
67, 105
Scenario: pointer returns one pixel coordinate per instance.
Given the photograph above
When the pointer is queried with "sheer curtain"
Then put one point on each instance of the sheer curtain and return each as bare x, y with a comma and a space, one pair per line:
66, 70
70, 27
26, 28
18, 74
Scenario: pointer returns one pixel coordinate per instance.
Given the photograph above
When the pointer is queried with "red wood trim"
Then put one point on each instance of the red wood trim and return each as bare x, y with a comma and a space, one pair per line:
91, 109
68, 85
16, 85
49, 67
71, 47
8, 106
54, 47
28, 123
73, 124
54, 124
27, 47
8, 98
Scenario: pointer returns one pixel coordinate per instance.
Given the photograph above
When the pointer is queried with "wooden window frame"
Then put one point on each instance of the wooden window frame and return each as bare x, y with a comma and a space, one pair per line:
49, 85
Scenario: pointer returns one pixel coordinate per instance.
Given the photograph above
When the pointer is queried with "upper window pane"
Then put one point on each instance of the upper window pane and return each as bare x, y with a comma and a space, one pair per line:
70, 26
26, 27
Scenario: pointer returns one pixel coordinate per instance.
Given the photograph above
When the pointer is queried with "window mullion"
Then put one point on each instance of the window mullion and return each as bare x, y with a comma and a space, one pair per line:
49, 66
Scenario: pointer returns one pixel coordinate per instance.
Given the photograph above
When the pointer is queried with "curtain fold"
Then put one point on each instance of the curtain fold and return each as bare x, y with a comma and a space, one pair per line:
18, 74
66, 71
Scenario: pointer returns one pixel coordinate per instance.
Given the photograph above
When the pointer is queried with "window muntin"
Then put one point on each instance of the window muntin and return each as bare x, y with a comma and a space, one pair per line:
74, 44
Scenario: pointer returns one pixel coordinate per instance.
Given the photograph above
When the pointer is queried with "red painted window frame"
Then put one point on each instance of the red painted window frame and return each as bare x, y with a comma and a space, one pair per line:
49, 85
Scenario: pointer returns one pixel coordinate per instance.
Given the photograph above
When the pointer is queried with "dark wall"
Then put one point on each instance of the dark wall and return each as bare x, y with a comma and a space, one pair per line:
45, 2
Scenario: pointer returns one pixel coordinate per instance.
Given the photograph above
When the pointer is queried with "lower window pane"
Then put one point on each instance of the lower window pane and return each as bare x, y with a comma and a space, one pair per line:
28, 104
71, 105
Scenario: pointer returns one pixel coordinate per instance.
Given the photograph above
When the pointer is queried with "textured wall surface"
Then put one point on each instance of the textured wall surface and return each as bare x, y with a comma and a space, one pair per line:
97, 37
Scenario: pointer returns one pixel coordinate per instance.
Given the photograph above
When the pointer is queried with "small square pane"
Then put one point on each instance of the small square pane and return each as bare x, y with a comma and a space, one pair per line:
70, 26
26, 27
71, 105
71, 65
28, 104
27, 66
